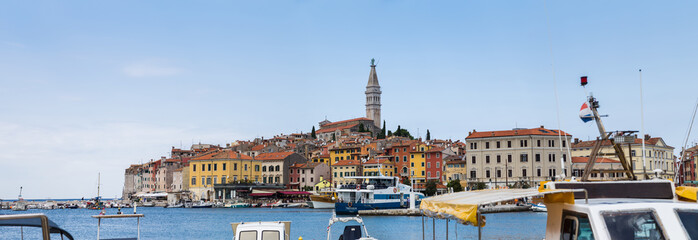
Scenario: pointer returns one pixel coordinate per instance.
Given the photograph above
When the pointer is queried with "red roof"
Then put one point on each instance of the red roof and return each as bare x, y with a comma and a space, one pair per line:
435, 149
346, 121
258, 147
273, 156
346, 163
598, 160
332, 129
222, 154
517, 132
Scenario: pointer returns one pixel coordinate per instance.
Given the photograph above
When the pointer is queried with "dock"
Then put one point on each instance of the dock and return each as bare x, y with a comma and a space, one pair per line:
417, 212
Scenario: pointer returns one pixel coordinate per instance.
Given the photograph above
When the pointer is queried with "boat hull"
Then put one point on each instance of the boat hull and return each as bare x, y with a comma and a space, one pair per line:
344, 208
322, 205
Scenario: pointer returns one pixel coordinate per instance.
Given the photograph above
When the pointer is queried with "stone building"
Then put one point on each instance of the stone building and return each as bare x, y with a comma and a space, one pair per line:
658, 155
275, 166
308, 174
519, 155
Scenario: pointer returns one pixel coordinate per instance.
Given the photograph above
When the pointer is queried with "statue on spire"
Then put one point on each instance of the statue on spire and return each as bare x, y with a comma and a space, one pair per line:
373, 61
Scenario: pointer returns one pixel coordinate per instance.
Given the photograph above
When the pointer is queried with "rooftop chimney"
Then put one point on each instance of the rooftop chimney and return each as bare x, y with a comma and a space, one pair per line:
647, 137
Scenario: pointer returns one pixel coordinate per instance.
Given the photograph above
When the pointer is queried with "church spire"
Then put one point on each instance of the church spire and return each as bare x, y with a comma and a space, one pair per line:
373, 77
373, 96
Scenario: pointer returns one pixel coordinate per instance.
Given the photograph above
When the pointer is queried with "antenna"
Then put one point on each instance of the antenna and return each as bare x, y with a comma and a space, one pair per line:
642, 128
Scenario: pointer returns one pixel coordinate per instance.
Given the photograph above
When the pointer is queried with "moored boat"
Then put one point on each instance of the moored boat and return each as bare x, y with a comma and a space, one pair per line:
324, 200
372, 193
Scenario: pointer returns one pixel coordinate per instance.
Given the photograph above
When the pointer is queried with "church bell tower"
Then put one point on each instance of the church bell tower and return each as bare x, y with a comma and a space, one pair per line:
373, 96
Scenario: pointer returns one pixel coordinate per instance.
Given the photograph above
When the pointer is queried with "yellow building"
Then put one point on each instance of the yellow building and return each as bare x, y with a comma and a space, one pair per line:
344, 153
417, 165
456, 169
346, 168
217, 167
324, 158
378, 166
323, 184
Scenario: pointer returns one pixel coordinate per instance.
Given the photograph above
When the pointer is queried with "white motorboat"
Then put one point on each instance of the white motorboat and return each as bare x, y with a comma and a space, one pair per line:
261, 230
351, 232
649, 209
374, 192
538, 207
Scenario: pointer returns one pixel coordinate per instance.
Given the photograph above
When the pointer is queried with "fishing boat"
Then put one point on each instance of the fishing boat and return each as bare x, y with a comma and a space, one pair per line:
374, 192
202, 204
323, 200
648, 209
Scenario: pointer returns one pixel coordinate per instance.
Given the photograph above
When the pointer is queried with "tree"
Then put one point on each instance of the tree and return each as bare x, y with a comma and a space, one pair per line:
382, 134
400, 132
455, 184
390, 133
477, 185
312, 133
428, 135
406, 181
430, 188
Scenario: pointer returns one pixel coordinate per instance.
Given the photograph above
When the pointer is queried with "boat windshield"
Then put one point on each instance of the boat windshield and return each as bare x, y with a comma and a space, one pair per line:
689, 220
633, 225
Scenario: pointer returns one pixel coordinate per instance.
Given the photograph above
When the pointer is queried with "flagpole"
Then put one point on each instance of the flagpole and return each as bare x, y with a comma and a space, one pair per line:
642, 128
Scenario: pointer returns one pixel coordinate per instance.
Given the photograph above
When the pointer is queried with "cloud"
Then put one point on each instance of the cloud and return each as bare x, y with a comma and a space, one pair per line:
151, 69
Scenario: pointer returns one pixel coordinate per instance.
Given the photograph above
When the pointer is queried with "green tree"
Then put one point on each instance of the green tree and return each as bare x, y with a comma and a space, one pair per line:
400, 132
406, 181
430, 188
455, 184
477, 185
382, 134
312, 133
390, 133
428, 135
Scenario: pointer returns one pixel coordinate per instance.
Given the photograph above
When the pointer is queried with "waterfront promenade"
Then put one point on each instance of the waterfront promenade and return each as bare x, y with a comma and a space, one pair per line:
214, 223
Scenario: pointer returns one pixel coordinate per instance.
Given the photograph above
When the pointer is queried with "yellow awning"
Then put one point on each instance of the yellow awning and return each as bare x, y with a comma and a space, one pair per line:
462, 206
688, 193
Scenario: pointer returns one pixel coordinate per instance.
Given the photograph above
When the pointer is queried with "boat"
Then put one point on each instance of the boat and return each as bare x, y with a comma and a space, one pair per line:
647, 209
296, 205
238, 205
538, 207
20, 204
38, 220
280, 230
324, 200
148, 204
202, 204
374, 192
176, 205
351, 232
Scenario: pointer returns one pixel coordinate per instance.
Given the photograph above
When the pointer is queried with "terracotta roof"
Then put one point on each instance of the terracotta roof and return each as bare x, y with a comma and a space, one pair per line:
436, 149
518, 132
297, 165
332, 129
589, 144
273, 156
222, 154
258, 147
598, 160
346, 121
346, 163
456, 162
377, 161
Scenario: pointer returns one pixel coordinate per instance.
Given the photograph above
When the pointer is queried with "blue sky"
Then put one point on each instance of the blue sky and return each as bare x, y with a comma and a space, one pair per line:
92, 87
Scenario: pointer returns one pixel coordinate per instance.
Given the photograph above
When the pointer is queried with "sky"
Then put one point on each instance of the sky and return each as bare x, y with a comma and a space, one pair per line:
89, 88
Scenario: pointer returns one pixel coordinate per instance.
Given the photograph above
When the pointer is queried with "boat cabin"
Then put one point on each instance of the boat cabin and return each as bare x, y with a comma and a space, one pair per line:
262, 230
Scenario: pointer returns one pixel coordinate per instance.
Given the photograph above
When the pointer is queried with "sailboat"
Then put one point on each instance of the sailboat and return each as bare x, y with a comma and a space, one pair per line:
98, 204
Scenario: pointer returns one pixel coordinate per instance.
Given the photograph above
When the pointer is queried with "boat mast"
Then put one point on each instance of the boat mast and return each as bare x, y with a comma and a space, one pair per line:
642, 128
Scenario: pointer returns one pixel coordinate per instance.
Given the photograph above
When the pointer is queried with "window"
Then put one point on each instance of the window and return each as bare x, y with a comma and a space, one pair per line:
208, 181
499, 173
404, 158
538, 143
509, 158
203, 180
537, 157
193, 168
264, 168
487, 145
209, 167
429, 165
277, 168
510, 172
235, 166
523, 172
487, 173
498, 145
422, 155
689, 219
524, 157
509, 144
245, 167
575, 226
193, 181
256, 168
487, 159
499, 158
422, 164
437, 155
633, 225
632, 153
215, 167
224, 165
247, 235
412, 156
223, 179
473, 174
215, 179
564, 143
411, 164
538, 172
473, 159
437, 164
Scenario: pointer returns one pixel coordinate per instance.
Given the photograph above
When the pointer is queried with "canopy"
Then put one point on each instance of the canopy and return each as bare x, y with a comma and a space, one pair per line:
152, 195
294, 193
463, 206
32, 220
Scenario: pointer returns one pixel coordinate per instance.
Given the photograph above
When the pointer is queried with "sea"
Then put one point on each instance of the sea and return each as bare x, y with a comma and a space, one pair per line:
214, 223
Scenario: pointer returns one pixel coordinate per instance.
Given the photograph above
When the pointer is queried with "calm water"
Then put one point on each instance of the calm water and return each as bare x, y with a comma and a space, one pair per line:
214, 223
